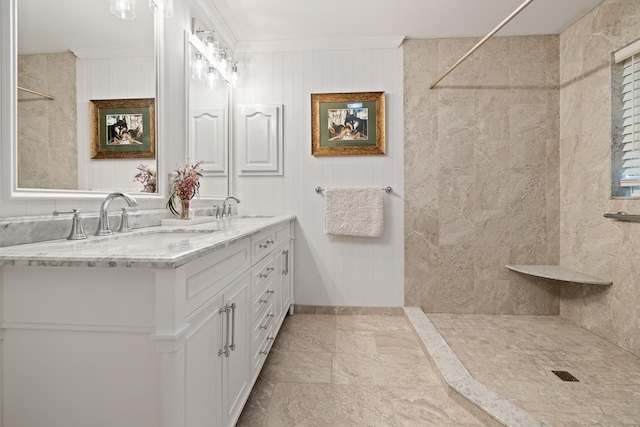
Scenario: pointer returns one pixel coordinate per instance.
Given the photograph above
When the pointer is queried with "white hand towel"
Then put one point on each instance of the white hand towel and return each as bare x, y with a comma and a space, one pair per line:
353, 211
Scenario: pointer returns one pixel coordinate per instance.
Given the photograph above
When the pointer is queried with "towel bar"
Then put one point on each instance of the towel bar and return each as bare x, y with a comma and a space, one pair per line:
623, 216
387, 190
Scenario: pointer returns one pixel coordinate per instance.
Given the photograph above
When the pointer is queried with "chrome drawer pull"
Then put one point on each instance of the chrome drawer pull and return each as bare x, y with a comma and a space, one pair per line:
270, 268
271, 338
264, 246
233, 328
270, 291
225, 349
270, 242
262, 276
263, 352
266, 325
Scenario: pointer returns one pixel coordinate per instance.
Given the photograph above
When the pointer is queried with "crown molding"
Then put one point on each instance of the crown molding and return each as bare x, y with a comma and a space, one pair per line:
393, 42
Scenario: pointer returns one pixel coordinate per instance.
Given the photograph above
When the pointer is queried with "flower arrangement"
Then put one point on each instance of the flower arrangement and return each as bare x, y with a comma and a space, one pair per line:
185, 185
147, 176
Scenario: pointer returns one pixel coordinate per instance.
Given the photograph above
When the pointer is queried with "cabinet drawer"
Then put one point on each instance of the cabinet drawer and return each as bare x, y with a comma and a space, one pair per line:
262, 275
262, 325
263, 243
208, 275
261, 301
262, 347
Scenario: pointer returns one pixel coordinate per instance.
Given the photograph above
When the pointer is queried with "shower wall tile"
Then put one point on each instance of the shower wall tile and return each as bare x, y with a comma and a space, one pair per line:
45, 135
588, 242
479, 173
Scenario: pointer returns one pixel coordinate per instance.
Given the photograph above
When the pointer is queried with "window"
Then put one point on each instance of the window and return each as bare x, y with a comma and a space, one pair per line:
625, 153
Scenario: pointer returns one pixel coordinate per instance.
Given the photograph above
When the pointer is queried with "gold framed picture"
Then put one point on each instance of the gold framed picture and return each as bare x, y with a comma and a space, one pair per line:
122, 128
349, 123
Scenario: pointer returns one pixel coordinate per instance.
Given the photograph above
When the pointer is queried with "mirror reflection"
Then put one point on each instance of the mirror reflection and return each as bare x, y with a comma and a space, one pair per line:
72, 52
208, 123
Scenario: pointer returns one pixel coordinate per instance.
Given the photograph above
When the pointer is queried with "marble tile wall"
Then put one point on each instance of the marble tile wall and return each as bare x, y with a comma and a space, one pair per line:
589, 242
481, 174
47, 133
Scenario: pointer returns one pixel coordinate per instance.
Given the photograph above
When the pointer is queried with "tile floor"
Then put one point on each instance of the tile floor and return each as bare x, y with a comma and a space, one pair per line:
349, 370
514, 355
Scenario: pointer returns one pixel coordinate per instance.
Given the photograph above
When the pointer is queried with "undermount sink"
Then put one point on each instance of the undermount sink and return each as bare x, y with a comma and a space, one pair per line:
159, 238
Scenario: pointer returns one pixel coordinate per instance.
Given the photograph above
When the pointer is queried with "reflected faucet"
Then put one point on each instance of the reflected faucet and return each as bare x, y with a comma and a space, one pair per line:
103, 219
225, 212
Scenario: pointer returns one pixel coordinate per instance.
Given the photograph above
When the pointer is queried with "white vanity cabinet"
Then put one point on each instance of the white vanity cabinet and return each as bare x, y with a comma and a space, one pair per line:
143, 347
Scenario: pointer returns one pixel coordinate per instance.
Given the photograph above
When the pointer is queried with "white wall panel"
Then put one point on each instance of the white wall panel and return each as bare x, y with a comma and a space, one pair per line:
110, 78
330, 270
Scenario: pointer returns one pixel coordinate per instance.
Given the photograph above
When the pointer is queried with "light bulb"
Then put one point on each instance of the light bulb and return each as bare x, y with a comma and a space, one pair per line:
125, 9
212, 78
197, 67
234, 74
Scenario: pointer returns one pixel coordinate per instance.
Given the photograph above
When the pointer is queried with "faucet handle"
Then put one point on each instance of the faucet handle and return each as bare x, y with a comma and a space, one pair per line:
77, 233
124, 222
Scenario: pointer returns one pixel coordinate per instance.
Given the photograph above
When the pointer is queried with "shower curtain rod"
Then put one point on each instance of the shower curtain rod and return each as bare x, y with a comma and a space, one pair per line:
481, 42
36, 93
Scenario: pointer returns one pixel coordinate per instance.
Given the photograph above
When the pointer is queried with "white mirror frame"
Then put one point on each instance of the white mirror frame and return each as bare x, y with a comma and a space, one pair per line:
8, 114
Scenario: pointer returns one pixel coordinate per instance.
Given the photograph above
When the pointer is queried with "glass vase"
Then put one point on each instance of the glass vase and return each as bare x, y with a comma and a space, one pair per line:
185, 213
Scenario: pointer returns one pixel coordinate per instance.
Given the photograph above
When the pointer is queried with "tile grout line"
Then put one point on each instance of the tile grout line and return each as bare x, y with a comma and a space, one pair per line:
462, 387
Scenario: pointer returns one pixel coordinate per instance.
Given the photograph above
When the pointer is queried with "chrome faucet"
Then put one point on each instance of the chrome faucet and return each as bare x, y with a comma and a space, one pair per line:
103, 219
227, 212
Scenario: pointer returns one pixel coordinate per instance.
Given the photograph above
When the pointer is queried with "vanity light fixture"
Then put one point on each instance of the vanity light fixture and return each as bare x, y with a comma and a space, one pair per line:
125, 9
210, 55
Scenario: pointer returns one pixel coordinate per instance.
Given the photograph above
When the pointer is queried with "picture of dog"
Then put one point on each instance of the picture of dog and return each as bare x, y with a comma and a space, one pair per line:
124, 129
347, 124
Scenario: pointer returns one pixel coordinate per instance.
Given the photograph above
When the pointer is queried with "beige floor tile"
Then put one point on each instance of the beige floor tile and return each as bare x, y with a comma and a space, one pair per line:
297, 367
427, 407
407, 370
349, 370
332, 341
514, 355
371, 323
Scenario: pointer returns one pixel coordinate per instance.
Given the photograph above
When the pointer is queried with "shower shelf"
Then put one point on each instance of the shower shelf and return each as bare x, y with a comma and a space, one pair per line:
555, 272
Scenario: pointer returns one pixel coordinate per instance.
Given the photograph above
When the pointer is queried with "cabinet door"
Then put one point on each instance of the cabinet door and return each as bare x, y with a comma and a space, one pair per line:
237, 367
203, 388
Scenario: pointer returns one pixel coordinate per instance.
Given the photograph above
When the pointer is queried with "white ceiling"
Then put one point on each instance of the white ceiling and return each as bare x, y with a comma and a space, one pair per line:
295, 20
62, 25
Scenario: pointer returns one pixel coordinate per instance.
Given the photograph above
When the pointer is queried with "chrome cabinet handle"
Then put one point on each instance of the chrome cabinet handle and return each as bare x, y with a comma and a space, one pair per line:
263, 275
271, 338
266, 325
233, 327
270, 268
225, 349
266, 300
263, 246
270, 242
286, 262
263, 352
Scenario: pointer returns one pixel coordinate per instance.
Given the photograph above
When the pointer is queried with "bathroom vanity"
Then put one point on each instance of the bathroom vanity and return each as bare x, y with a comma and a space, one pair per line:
165, 326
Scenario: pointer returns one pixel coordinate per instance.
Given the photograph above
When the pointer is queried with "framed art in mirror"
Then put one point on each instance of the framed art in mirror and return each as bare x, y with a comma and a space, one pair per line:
347, 123
122, 128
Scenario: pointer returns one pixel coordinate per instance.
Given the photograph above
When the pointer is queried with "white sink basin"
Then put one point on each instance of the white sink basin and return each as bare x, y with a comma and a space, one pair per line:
160, 238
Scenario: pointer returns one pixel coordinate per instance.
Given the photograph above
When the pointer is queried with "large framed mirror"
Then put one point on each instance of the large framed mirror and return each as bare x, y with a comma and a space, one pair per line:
65, 55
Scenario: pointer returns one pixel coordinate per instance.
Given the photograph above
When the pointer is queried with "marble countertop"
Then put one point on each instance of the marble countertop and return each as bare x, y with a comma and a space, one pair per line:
125, 250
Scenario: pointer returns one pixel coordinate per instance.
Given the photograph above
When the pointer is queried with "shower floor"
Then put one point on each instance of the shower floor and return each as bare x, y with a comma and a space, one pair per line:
515, 356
